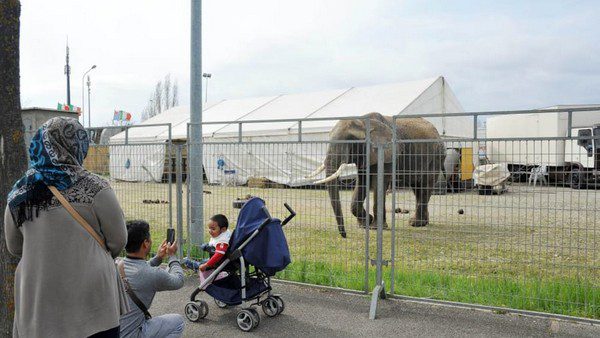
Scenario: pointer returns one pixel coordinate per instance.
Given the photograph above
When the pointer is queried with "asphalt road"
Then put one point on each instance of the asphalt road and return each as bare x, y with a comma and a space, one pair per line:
312, 312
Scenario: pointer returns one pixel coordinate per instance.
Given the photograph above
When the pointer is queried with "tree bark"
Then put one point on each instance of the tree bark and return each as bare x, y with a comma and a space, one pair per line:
13, 158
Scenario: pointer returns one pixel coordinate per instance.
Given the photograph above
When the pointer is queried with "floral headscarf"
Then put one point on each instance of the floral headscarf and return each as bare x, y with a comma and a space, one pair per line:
56, 155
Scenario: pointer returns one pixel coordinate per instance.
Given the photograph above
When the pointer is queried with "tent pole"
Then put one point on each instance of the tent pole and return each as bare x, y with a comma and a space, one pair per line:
195, 156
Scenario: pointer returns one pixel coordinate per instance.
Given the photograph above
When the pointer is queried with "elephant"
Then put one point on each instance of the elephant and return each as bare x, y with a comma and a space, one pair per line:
418, 165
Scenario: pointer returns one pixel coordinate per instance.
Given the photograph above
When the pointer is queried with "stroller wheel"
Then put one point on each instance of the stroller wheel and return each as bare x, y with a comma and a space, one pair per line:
194, 311
281, 304
220, 304
271, 306
256, 316
246, 320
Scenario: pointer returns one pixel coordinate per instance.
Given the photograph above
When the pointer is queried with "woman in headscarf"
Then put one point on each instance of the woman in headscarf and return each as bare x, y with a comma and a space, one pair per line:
65, 283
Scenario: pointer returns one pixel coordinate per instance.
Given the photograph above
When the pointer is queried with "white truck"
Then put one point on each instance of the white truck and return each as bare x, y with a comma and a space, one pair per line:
531, 153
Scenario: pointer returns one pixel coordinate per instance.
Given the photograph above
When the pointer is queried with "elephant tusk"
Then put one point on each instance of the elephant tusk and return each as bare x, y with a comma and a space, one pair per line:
334, 176
316, 172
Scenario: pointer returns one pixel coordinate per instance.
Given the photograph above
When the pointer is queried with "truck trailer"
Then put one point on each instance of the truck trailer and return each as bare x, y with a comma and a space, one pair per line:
538, 146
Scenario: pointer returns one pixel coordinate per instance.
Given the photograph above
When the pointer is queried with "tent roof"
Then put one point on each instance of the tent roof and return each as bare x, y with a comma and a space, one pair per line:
422, 96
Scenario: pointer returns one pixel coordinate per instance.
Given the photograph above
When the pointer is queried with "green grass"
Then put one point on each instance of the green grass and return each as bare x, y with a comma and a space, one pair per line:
561, 296
533, 248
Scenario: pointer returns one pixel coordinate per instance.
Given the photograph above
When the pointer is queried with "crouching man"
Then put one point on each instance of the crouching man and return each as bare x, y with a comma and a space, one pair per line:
143, 279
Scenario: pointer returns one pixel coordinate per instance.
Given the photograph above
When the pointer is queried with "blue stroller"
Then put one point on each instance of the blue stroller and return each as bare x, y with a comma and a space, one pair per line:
257, 250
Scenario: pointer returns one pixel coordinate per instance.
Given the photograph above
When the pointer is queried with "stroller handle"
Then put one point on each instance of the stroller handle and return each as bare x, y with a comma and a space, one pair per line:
292, 214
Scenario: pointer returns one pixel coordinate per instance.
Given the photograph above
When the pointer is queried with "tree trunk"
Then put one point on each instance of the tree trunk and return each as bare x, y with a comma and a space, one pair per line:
13, 159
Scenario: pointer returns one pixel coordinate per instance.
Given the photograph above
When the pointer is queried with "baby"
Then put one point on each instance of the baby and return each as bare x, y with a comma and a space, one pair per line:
219, 241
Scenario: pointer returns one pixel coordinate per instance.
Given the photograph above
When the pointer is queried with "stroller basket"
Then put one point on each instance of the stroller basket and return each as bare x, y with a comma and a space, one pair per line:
229, 289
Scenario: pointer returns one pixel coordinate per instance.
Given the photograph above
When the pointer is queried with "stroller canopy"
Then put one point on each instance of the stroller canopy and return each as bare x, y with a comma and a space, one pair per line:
268, 251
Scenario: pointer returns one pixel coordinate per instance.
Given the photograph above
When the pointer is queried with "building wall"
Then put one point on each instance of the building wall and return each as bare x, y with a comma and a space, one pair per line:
33, 118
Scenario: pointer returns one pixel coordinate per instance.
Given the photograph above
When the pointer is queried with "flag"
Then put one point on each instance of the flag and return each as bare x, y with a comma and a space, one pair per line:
121, 116
68, 107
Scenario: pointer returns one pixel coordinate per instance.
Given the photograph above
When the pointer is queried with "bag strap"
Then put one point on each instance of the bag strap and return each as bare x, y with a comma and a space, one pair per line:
77, 216
130, 292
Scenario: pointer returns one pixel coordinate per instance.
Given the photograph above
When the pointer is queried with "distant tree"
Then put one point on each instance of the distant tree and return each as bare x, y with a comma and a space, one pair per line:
175, 97
167, 92
158, 101
165, 96
13, 159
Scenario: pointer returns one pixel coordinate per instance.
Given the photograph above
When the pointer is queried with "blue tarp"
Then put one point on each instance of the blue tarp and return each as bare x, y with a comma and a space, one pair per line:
269, 250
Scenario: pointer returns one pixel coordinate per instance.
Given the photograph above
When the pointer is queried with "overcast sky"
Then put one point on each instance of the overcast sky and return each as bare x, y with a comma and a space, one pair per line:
494, 54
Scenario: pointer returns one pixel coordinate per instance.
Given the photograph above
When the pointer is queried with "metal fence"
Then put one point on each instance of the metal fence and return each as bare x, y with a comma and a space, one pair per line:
318, 256
529, 242
141, 174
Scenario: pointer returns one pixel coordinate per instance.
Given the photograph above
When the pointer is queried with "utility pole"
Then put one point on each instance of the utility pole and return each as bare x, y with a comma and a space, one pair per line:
195, 127
68, 73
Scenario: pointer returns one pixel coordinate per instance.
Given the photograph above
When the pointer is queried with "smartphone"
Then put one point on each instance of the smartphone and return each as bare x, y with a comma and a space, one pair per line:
170, 236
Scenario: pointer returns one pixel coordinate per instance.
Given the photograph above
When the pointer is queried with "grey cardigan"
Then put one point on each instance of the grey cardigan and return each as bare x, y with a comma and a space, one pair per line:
65, 283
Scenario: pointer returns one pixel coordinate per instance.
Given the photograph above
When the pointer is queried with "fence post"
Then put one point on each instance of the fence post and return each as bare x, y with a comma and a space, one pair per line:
393, 235
474, 126
367, 220
179, 180
187, 199
569, 123
379, 290
170, 172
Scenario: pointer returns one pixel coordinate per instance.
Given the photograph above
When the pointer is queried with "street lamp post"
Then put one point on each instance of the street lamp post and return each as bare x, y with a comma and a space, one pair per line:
206, 76
89, 104
82, 93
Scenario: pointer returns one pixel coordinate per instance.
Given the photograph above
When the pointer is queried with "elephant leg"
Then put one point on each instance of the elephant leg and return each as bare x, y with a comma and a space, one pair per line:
358, 199
422, 196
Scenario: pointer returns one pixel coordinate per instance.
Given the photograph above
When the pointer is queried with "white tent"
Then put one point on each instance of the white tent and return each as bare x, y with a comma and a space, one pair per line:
285, 163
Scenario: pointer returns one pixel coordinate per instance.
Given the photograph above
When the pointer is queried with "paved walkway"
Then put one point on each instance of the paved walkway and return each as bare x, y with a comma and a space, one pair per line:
312, 312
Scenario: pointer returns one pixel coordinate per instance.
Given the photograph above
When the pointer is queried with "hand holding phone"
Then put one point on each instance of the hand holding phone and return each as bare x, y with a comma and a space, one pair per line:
170, 236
